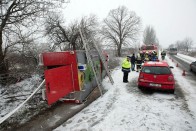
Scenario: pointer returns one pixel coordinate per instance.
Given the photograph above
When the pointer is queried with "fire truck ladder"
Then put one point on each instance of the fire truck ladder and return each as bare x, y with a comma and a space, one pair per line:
96, 73
103, 60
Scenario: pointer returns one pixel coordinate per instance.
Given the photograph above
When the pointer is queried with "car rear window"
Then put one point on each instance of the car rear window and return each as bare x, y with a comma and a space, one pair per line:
158, 70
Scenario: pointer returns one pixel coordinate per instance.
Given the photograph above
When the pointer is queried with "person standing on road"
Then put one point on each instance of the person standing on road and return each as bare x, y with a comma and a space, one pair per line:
139, 62
126, 65
154, 56
133, 62
163, 54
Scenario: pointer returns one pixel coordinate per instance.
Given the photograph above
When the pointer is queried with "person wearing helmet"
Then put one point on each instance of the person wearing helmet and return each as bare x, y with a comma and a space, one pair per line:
142, 55
126, 65
146, 57
154, 58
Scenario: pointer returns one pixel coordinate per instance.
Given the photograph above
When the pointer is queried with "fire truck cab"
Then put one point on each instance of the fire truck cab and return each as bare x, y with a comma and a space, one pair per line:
150, 51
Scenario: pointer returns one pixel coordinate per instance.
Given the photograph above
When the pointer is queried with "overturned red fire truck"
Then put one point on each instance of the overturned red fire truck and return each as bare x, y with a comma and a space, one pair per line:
68, 76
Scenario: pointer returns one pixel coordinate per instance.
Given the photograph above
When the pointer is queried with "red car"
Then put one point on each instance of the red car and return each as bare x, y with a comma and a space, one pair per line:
156, 75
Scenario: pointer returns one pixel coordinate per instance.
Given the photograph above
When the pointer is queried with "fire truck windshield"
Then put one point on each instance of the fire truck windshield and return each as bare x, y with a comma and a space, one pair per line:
150, 47
173, 49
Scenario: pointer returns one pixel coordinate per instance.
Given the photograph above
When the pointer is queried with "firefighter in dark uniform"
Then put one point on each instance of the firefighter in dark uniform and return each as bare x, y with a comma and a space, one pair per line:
139, 62
133, 62
154, 56
126, 65
163, 54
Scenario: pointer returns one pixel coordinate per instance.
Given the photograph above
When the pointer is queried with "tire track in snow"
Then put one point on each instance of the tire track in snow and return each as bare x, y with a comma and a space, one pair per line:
173, 102
125, 107
102, 110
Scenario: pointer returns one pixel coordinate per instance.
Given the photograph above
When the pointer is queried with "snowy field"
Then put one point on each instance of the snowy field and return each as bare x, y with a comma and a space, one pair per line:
126, 108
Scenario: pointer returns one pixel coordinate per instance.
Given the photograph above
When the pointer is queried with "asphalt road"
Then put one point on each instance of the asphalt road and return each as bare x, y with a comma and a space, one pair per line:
184, 66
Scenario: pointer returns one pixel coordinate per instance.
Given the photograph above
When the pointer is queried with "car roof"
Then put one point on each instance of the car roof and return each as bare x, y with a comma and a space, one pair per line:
153, 63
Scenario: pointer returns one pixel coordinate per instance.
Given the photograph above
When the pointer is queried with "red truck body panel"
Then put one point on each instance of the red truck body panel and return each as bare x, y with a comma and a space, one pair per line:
61, 74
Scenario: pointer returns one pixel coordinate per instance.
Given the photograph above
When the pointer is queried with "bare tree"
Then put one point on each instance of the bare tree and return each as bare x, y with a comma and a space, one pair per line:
16, 15
121, 27
68, 37
55, 31
183, 45
149, 36
188, 43
180, 45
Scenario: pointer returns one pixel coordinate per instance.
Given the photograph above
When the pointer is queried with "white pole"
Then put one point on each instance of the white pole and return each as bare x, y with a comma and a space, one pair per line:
16, 109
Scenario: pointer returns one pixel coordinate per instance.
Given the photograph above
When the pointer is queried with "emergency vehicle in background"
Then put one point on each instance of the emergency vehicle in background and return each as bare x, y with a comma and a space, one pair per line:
68, 76
150, 51
173, 51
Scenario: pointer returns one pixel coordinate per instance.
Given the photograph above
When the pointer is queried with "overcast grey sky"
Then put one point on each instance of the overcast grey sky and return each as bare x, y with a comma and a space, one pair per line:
172, 19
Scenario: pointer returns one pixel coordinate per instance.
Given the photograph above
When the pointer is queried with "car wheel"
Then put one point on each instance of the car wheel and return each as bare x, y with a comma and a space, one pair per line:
140, 87
172, 91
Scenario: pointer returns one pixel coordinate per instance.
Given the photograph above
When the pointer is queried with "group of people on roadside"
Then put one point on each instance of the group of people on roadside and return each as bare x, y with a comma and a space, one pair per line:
129, 64
153, 56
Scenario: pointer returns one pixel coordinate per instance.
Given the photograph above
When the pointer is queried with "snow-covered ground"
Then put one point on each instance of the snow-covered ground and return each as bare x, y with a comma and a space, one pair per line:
12, 96
126, 108
16, 93
123, 106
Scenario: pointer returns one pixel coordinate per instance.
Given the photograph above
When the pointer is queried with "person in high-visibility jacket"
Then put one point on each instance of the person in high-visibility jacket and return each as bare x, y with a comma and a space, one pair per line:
126, 65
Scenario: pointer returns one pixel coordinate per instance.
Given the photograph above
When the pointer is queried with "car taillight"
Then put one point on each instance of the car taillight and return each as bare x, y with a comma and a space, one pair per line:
170, 78
141, 76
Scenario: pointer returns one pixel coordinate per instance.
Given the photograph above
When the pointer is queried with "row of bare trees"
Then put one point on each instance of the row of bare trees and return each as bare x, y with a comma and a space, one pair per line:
120, 28
19, 22
183, 45
29, 27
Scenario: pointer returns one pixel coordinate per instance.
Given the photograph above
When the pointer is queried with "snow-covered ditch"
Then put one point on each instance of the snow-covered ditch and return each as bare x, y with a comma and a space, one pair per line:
13, 95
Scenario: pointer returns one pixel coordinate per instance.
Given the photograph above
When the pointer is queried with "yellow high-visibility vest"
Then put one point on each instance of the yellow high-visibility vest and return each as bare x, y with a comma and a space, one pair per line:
126, 64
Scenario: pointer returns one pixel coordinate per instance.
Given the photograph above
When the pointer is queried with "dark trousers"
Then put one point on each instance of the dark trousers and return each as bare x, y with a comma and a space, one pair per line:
138, 67
132, 66
125, 77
